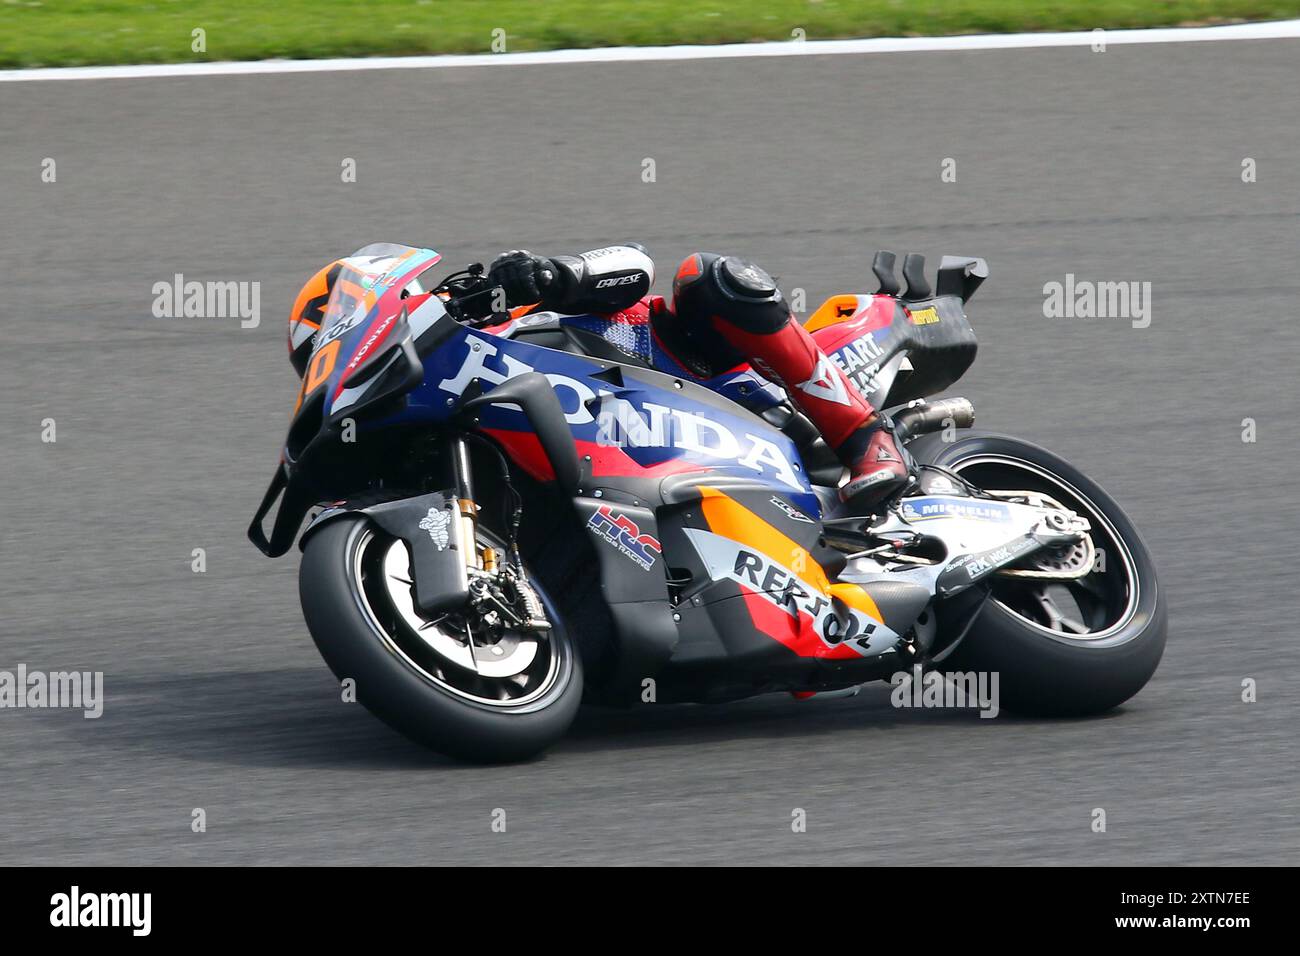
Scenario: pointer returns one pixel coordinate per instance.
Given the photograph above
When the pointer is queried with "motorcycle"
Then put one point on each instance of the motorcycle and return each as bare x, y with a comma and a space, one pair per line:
520, 510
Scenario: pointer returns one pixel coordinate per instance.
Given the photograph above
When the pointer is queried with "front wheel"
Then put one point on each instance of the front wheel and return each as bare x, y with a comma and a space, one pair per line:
1060, 647
470, 691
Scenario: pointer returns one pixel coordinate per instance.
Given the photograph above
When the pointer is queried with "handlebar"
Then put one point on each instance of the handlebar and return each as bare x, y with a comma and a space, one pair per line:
470, 296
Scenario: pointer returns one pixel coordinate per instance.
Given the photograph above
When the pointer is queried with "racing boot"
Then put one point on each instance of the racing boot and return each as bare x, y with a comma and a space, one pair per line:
743, 305
876, 464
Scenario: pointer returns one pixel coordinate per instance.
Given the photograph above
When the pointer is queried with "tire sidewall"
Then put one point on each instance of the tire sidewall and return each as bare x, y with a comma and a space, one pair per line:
395, 691
1056, 674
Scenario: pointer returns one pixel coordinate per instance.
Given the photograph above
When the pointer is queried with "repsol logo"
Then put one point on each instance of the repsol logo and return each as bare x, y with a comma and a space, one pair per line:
811, 609
788, 592
339, 328
619, 423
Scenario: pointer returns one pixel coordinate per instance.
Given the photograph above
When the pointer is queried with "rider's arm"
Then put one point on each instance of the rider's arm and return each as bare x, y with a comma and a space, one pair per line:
602, 280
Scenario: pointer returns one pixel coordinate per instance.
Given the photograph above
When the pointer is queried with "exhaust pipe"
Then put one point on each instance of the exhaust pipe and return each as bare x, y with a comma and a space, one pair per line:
916, 420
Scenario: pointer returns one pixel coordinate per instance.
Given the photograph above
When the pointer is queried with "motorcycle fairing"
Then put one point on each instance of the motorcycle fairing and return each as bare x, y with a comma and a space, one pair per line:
757, 589
361, 325
895, 351
786, 589
631, 426
361, 353
632, 567
434, 534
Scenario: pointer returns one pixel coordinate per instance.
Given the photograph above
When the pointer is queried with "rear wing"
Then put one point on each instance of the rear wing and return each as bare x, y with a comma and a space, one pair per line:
958, 275
903, 342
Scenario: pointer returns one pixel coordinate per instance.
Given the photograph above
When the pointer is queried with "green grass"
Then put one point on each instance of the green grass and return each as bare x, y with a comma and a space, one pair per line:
78, 32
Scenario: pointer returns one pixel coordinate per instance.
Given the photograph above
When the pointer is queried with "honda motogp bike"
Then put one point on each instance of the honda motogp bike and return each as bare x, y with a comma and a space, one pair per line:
519, 510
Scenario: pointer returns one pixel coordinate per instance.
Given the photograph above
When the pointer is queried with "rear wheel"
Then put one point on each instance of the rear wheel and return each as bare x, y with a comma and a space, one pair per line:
1061, 647
459, 684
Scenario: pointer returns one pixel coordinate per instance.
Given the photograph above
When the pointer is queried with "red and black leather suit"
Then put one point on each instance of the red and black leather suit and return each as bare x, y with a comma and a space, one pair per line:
729, 310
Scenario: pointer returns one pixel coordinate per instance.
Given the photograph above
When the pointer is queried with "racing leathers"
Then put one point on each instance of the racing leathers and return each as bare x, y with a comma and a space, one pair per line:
733, 309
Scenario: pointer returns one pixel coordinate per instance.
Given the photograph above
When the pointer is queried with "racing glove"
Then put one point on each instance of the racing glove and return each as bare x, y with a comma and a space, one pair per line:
524, 276
601, 281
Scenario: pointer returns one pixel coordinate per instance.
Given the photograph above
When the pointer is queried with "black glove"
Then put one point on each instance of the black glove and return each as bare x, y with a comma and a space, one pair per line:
524, 276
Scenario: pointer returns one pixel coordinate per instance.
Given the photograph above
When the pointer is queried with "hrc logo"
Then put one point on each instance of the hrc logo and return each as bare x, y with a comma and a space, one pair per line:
625, 534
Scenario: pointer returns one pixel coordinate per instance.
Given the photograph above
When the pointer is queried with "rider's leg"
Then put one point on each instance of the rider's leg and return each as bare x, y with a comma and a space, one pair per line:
742, 303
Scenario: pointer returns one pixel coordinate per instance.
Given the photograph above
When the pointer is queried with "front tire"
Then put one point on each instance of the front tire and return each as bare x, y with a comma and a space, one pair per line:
1060, 649
426, 687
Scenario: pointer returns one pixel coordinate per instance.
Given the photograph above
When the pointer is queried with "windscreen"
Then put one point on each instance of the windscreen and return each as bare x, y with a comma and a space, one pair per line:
363, 278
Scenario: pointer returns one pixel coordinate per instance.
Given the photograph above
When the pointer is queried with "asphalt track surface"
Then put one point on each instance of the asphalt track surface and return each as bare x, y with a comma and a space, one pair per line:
1113, 166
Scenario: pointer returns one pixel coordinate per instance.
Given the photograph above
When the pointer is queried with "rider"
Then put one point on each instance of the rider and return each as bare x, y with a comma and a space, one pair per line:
731, 310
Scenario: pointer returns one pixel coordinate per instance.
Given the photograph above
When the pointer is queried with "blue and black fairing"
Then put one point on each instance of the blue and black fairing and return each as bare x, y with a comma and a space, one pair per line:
655, 420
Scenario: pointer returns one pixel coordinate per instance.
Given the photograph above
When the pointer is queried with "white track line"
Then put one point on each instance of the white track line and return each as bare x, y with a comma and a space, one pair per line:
1277, 29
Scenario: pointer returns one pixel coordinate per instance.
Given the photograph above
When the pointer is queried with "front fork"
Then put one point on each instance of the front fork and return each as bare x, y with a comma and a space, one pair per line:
481, 565
466, 510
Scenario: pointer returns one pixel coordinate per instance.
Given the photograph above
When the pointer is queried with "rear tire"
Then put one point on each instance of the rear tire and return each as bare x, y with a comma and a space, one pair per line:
1049, 667
353, 638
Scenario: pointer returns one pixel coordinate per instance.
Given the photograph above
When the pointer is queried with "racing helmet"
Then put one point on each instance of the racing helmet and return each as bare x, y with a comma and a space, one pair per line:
307, 312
